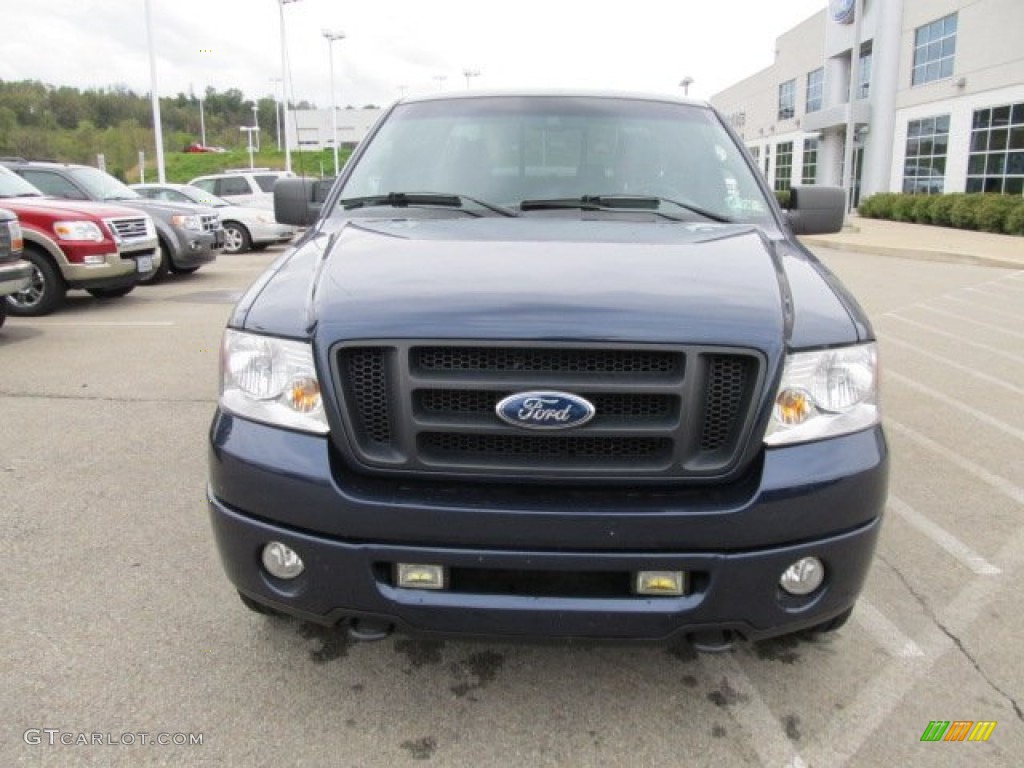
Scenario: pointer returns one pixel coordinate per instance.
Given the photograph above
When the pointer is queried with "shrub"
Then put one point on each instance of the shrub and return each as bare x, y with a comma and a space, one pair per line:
878, 206
783, 196
941, 209
1014, 224
965, 212
903, 207
993, 210
922, 208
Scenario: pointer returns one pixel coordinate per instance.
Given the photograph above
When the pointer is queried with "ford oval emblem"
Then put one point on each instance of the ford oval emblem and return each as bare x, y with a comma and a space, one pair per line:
545, 410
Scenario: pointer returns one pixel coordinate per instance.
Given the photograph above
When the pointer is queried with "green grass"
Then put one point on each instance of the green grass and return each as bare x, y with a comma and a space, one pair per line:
180, 167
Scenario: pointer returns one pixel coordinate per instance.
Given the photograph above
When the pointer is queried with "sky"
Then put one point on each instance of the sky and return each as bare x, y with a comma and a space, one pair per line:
393, 47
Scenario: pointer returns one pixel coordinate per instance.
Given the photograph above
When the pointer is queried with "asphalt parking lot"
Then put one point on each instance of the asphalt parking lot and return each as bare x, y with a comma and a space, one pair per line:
118, 621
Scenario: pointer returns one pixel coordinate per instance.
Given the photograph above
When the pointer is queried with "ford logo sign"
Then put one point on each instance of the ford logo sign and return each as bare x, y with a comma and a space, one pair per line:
544, 410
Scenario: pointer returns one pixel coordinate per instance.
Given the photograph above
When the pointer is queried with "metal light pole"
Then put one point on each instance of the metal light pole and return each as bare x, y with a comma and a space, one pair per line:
440, 81
155, 98
685, 84
249, 130
331, 37
277, 112
284, 82
256, 123
469, 74
202, 123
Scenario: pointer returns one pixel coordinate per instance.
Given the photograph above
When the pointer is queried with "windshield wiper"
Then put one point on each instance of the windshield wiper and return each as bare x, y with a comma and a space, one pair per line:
406, 199
625, 202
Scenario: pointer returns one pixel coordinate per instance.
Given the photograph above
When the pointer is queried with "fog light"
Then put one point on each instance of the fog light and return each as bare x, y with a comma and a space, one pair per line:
413, 576
660, 583
282, 561
803, 577
96, 258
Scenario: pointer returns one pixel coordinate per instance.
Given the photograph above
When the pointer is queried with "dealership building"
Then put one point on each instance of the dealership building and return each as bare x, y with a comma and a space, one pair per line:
931, 92
312, 129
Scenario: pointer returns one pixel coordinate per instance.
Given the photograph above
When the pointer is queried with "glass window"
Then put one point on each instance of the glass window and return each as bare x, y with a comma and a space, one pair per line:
924, 166
864, 73
934, 50
52, 184
266, 182
233, 185
787, 99
815, 89
996, 160
783, 165
506, 149
810, 170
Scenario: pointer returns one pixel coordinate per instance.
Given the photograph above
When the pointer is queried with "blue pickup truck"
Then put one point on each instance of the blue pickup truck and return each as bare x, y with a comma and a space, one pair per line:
550, 365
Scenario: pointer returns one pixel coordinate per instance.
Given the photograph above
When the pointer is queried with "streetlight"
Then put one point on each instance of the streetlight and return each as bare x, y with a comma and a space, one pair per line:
202, 122
440, 81
277, 112
256, 123
249, 129
155, 100
284, 78
331, 37
685, 84
470, 73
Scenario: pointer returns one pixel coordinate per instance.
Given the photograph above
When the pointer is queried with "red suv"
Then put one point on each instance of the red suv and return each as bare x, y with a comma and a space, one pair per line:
104, 249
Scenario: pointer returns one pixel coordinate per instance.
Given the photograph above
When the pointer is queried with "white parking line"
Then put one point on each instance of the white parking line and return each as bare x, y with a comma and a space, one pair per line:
941, 537
107, 323
767, 736
987, 291
1001, 484
972, 321
959, 339
958, 405
884, 632
888, 339
876, 701
1015, 317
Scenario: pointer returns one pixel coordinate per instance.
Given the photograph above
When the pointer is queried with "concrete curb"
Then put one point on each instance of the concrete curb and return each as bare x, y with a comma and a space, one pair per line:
918, 254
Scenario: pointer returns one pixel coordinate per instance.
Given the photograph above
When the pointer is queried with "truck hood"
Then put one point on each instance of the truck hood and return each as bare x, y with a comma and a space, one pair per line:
539, 279
67, 208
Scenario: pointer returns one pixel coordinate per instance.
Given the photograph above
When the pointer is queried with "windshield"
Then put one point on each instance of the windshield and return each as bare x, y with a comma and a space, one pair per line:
508, 149
103, 186
197, 195
12, 185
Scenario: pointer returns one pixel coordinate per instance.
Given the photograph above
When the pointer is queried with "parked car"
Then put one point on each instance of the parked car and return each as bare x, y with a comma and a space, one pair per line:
245, 228
14, 272
200, 148
533, 371
102, 248
245, 187
190, 235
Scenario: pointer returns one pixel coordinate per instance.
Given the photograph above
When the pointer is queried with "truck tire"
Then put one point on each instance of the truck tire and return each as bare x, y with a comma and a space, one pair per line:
3, 313
46, 289
163, 269
112, 293
236, 238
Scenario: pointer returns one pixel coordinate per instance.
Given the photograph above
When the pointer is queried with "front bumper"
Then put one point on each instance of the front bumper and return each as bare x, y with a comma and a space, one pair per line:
196, 248
271, 233
14, 276
824, 500
117, 269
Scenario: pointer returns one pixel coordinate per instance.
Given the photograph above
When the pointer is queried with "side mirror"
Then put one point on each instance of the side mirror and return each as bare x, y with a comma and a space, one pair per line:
299, 201
815, 210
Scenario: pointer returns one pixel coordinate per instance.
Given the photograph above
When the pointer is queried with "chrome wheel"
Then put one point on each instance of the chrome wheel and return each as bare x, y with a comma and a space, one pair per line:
236, 239
33, 293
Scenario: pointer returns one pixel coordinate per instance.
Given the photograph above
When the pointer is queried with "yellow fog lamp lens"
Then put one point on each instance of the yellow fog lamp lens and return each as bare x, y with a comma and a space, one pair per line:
660, 583
419, 576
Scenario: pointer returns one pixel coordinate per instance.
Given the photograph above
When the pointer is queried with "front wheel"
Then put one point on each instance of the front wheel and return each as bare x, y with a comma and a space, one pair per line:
184, 270
165, 265
111, 293
236, 238
46, 288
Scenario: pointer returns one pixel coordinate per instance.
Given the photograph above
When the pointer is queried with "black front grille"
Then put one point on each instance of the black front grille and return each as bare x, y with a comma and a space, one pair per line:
660, 411
474, 449
728, 386
544, 360
365, 378
211, 222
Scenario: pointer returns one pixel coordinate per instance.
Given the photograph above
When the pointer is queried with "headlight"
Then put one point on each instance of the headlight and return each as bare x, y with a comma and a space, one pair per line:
187, 222
78, 230
17, 240
825, 394
271, 380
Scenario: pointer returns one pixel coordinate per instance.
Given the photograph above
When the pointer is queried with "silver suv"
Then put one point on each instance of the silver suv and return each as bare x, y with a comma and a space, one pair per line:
254, 187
